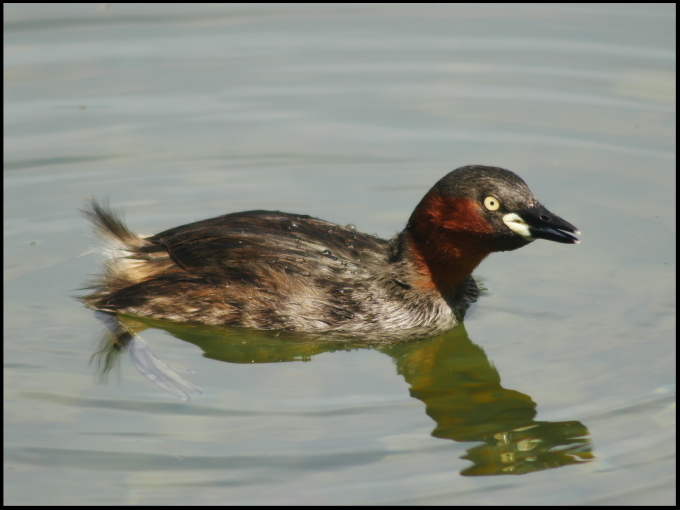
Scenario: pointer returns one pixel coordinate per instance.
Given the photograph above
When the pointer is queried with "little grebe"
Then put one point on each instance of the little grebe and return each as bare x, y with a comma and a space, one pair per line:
273, 270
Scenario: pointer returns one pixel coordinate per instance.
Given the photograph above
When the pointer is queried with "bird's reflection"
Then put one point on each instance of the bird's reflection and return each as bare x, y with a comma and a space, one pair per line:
453, 377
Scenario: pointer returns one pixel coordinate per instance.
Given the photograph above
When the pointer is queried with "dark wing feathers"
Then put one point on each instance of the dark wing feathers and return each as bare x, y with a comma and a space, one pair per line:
214, 245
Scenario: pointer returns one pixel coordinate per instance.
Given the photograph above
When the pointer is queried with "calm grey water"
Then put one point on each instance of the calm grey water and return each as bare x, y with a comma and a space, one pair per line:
349, 113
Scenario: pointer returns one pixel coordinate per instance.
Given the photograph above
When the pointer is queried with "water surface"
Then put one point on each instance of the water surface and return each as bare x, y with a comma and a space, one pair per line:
349, 113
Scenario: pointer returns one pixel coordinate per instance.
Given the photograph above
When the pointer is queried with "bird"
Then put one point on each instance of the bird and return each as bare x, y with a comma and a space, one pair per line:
273, 270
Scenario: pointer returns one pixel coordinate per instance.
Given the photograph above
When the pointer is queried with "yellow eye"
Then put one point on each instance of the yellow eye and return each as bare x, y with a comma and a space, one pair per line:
492, 203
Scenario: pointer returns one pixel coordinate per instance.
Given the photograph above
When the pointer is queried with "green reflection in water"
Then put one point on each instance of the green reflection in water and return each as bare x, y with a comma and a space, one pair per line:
452, 376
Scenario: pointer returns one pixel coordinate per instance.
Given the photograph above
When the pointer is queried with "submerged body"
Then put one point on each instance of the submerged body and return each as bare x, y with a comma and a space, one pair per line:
273, 270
